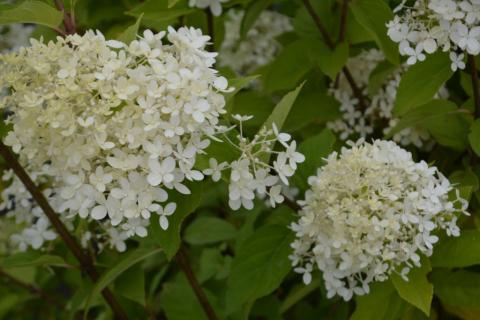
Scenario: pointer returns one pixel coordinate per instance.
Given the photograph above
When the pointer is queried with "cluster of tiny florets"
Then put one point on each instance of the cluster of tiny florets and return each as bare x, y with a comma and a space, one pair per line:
378, 115
369, 212
252, 173
215, 6
449, 25
110, 128
14, 36
259, 46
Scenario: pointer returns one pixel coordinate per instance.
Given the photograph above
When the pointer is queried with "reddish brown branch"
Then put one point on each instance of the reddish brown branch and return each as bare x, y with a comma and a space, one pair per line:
68, 18
343, 21
85, 261
182, 261
328, 40
475, 89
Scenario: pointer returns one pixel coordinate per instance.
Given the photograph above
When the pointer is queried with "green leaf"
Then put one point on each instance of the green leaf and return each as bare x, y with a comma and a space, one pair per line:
330, 61
170, 239
458, 252
251, 15
156, 14
474, 137
315, 149
172, 3
382, 303
259, 266
281, 111
416, 88
131, 32
442, 118
32, 11
238, 84
457, 288
7, 303
298, 294
207, 230
213, 264
467, 182
417, 290
285, 72
373, 15
131, 284
32, 259
127, 261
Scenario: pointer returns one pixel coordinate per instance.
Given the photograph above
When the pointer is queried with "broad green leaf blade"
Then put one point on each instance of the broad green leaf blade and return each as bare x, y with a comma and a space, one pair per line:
315, 149
458, 252
238, 84
127, 261
131, 32
170, 239
330, 61
172, 3
259, 266
208, 230
421, 82
474, 137
298, 294
32, 11
457, 288
448, 124
253, 11
131, 284
417, 290
280, 112
32, 259
373, 15
381, 303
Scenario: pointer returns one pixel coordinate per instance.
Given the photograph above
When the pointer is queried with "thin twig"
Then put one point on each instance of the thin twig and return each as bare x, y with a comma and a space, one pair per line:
474, 75
211, 28
85, 261
343, 21
68, 18
182, 261
328, 40
291, 204
30, 288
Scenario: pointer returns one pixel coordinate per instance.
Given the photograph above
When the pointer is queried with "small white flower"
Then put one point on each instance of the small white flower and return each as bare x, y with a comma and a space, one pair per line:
164, 213
215, 169
457, 61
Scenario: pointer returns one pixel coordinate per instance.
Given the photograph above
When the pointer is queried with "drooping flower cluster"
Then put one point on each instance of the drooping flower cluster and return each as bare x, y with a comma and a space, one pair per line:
370, 211
379, 113
109, 128
215, 6
259, 46
449, 25
252, 172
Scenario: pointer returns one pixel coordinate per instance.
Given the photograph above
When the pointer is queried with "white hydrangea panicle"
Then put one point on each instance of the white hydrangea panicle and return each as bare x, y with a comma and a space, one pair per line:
215, 6
259, 46
371, 210
431, 25
378, 116
110, 127
13, 36
252, 174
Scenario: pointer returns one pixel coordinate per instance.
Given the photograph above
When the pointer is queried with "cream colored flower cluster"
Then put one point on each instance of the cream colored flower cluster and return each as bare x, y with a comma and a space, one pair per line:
14, 36
430, 25
110, 127
371, 211
363, 123
259, 46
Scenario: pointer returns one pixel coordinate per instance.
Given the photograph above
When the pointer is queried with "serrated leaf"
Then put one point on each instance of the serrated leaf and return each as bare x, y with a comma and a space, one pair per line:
131, 32
416, 88
208, 230
458, 252
32, 259
32, 11
259, 266
417, 290
126, 262
373, 15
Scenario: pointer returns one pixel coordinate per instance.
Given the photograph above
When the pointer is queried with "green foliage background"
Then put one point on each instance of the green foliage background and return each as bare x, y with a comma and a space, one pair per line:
241, 259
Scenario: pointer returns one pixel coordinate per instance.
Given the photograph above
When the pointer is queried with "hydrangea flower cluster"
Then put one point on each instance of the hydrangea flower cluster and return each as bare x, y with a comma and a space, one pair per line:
371, 211
449, 25
252, 172
109, 128
215, 6
363, 123
259, 46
